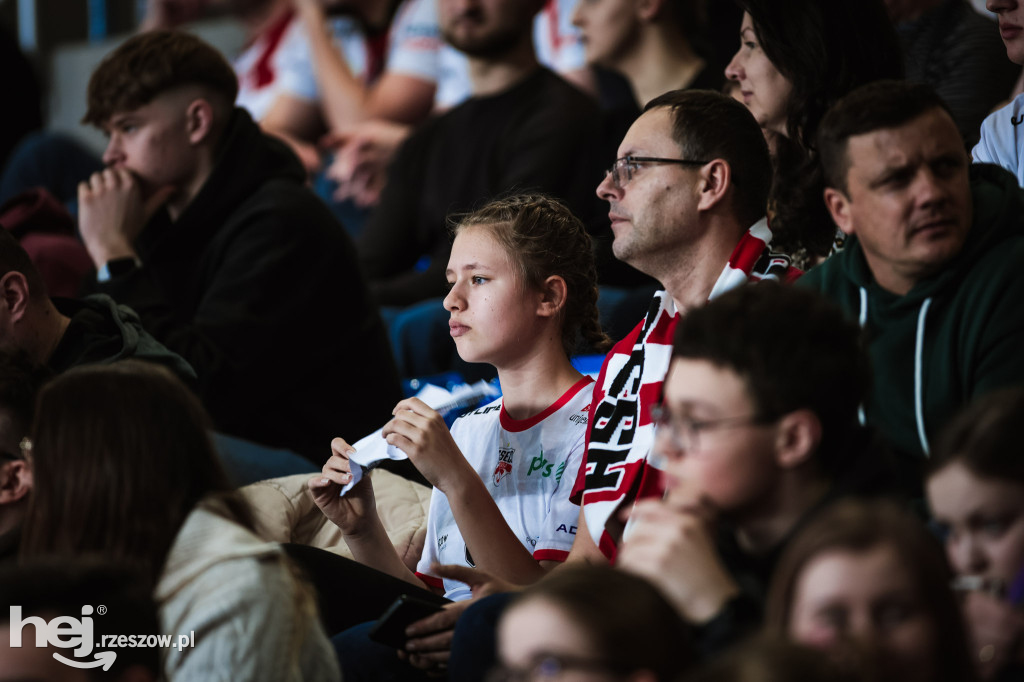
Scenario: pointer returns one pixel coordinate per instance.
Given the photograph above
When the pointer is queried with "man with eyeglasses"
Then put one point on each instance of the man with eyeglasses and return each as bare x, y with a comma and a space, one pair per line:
687, 199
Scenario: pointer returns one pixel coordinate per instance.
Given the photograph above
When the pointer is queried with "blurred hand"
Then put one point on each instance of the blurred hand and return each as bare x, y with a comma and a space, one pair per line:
169, 14
674, 550
429, 646
996, 631
112, 213
362, 155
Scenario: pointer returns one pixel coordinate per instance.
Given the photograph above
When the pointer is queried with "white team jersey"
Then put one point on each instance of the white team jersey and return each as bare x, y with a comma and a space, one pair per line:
414, 43
529, 466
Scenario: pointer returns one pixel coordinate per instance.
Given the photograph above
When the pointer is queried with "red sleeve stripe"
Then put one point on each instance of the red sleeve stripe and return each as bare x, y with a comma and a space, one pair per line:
550, 555
430, 580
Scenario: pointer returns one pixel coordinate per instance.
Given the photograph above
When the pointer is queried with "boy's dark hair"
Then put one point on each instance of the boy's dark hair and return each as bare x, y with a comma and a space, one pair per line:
875, 106
985, 437
149, 65
708, 125
14, 258
49, 588
794, 350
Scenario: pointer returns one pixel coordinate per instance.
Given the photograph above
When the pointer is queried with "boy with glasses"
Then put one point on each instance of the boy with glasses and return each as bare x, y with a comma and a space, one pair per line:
757, 429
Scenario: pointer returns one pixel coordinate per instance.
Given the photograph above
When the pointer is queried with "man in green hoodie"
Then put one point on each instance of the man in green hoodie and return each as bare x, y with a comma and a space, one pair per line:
933, 266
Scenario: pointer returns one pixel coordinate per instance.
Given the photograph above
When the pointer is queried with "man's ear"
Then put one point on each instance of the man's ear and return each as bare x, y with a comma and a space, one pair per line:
553, 295
839, 206
716, 180
15, 481
199, 120
15, 294
797, 439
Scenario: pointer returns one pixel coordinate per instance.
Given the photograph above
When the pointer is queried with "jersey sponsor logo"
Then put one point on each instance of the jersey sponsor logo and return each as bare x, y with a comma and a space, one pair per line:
441, 542
571, 530
485, 410
580, 419
504, 467
539, 463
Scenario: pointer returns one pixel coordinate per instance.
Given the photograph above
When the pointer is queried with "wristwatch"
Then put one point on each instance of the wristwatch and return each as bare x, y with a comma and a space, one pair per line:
117, 267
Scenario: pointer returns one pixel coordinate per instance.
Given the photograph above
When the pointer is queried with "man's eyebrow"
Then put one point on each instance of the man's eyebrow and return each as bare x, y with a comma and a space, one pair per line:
891, 172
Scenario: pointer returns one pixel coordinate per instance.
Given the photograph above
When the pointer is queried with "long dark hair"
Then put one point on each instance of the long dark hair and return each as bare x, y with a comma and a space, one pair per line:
825, 49
121, 454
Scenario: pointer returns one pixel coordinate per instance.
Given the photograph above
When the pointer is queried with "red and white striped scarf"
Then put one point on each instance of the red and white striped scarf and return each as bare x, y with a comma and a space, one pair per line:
620, 434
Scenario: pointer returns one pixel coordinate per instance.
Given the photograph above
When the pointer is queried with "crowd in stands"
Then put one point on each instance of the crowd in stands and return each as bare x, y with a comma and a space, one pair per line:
788, 235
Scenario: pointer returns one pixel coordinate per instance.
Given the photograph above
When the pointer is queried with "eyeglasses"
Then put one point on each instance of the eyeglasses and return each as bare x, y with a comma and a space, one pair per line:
550, 666
624, 167
685, 431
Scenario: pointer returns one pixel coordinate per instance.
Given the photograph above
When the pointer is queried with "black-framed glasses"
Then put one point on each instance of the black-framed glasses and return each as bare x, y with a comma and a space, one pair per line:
622, 170
685, 430
550, 666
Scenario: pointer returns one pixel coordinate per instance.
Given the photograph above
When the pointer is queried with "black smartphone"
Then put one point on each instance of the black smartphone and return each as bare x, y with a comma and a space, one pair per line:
390, 628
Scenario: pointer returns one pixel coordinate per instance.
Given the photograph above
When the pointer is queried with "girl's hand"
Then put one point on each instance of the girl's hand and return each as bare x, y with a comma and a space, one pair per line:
996, 632
421, 433
354, 512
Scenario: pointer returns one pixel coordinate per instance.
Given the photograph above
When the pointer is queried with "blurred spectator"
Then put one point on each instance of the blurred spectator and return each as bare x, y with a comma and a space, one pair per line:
1001, 135
952, 48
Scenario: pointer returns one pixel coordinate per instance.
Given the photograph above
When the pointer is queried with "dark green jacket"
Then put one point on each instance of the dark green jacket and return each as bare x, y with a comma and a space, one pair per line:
955, 335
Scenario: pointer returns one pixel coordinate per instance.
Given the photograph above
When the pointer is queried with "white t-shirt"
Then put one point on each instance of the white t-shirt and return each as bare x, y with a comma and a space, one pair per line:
1002, 140
260, 65
529, 467
414, 43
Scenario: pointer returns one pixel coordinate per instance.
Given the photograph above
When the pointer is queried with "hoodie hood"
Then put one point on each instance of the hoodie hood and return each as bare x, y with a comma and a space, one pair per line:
101, 332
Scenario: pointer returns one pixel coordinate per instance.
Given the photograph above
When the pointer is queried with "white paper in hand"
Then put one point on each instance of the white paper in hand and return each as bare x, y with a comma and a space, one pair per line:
373, 448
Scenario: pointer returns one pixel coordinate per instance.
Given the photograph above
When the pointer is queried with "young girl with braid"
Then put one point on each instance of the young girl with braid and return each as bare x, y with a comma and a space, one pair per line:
523, 295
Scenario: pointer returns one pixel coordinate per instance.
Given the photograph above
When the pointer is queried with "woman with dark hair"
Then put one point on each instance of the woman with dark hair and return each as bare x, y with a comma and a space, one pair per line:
124, 470
795, 60
975, 488
592, 622
870, 573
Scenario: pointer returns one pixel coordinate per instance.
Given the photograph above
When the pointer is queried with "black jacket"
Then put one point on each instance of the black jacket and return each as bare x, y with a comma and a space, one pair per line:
257, 286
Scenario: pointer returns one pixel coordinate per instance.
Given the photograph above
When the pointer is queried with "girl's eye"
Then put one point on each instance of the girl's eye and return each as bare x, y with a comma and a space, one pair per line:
477, 279
749, 45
